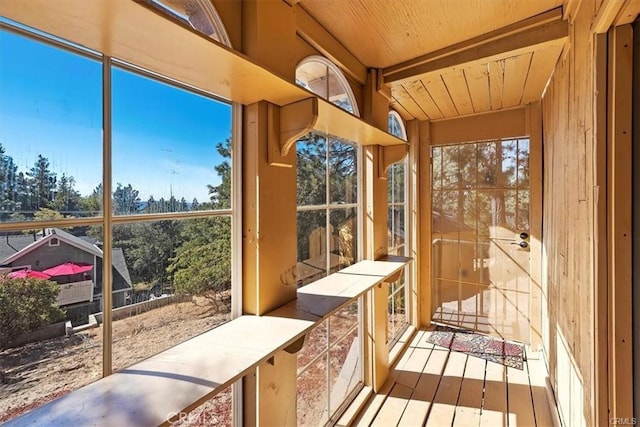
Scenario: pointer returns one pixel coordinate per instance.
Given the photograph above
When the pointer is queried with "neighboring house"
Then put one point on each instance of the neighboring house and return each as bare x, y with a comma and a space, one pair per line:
55, 247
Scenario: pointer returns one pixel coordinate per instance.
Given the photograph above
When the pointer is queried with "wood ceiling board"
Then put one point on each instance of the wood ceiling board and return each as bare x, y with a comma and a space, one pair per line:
515, 76
496, 83
456, 84
396, 106
419, 93
513, 45
134, 33
383, 33
543, 64
402, 97
478, 83
318, 37
440, 95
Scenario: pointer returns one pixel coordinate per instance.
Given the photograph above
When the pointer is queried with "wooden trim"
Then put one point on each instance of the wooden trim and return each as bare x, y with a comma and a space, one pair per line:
534, 130
493, 125
619, 222
388, 156
320, 39
413, 165
606, 15
600, 303
535, 32
286, 125
425, 224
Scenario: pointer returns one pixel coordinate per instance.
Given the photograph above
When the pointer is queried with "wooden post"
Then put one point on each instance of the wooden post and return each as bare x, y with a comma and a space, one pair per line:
425, 224
619, 222
534, 130
414, 206
269, 264
376, 245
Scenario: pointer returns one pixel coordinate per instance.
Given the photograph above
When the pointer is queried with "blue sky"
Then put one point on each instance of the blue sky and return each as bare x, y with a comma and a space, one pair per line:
164, 138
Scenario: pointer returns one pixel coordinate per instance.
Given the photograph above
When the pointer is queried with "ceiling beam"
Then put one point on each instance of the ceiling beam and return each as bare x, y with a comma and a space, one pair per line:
317, 36
524, 36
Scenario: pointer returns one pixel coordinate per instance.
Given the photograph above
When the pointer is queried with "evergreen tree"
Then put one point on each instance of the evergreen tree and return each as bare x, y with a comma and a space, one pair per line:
67, 199
126, 200
42, 183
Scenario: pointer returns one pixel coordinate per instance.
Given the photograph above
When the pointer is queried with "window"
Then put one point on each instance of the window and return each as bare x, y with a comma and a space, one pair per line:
323, 78
171, 243
327, 206
398, 310
330, 363
198, 14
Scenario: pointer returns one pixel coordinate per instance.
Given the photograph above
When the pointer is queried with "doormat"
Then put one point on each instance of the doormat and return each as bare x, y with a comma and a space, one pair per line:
475, 344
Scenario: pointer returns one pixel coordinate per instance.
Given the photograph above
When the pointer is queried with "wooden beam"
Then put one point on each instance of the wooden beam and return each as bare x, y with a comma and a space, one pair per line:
514, 39
620, 222
606, 16
313, 33
600, 275
493, 125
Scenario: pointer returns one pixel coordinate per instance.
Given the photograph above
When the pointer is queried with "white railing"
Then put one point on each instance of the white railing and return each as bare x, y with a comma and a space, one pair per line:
71, 293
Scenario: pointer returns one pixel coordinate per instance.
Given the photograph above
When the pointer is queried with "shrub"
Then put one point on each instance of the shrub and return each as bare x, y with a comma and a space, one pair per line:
26, 305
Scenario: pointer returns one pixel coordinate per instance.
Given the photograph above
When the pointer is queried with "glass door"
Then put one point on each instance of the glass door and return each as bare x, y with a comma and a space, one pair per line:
480, 237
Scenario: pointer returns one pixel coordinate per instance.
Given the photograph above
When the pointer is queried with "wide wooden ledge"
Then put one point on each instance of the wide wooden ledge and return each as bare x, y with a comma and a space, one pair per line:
183, 377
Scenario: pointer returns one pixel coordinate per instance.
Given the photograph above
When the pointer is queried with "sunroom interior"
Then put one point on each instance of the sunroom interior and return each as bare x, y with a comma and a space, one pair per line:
320, 212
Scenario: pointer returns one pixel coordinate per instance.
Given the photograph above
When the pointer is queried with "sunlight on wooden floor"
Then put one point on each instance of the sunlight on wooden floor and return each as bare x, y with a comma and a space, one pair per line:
433, 386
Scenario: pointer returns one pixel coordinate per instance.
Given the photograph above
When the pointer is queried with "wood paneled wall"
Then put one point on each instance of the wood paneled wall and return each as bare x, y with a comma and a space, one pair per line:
570, 195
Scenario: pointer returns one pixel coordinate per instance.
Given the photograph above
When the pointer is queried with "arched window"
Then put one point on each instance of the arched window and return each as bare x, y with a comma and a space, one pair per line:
328, 222
199, 14
396, 125
325, 79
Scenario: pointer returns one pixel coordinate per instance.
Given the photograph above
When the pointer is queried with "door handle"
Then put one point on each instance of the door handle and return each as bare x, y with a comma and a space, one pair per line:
523, 244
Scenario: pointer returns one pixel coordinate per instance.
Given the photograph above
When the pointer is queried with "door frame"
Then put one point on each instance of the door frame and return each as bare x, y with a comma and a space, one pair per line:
504, 124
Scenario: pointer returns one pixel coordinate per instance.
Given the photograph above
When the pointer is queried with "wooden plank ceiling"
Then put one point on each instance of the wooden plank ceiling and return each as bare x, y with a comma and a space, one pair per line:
476, 88
442, 58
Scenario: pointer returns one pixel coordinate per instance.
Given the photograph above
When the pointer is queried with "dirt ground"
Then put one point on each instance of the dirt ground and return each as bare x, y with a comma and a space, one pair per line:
34, 374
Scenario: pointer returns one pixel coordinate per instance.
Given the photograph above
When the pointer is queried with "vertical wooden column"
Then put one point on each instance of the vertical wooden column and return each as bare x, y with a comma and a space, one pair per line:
269, 265
375, 112
269, 214
269, 35
534, 130
376, 246
414, 206
425, 223
619, 221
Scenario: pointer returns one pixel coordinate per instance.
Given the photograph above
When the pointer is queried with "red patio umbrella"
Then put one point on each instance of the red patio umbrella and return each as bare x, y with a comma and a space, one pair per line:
67, 269
27, 274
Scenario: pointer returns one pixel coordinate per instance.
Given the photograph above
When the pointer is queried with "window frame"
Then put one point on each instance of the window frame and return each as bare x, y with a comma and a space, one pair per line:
107, 219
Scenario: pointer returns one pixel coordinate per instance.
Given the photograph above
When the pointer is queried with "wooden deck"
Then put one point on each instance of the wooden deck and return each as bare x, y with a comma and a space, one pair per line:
433, 386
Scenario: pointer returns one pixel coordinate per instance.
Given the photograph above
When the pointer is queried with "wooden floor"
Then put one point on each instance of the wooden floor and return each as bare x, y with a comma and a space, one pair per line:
433, 386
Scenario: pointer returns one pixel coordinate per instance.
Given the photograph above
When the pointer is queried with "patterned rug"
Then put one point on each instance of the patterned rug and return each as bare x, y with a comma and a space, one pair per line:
475, 344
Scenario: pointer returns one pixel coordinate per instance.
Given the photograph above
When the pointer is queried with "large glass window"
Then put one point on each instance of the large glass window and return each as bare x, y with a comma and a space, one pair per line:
330, 363
172, 212
398, 308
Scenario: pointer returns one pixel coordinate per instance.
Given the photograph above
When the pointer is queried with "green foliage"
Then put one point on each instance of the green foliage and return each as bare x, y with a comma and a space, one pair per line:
202, 265
26, 305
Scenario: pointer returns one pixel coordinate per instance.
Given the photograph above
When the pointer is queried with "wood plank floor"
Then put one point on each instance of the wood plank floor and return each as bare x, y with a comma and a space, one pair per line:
433, 386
